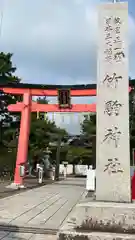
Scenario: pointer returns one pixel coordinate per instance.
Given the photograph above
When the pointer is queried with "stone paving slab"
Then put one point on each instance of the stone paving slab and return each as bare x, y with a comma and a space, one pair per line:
43, 237
46, 207
3, 234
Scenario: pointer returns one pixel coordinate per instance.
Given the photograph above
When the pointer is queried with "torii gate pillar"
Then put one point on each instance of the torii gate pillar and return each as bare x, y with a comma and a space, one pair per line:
23, 138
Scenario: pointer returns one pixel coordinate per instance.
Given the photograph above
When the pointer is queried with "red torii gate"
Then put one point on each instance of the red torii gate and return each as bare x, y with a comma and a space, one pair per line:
27, 106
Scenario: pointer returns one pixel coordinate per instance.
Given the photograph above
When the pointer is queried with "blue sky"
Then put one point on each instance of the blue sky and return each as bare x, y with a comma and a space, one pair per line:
54, 42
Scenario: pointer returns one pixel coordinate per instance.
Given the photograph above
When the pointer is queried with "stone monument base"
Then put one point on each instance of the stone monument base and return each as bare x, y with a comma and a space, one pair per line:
100, 220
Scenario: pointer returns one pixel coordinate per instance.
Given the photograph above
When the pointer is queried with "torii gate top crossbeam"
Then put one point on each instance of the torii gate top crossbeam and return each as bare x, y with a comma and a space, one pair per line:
48, 92
47, 86
51, 90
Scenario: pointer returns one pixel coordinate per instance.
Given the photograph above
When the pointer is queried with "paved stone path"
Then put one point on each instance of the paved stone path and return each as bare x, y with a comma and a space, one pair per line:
30, 183
44, 209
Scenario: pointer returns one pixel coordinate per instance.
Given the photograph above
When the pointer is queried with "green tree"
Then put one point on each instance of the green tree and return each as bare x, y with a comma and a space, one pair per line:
7, 69
88, 131
79, 155
8, 122
7, 75
43, 132
88, 126
39, 135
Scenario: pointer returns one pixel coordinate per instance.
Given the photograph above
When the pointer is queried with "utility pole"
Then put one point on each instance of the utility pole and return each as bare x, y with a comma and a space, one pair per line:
58, 159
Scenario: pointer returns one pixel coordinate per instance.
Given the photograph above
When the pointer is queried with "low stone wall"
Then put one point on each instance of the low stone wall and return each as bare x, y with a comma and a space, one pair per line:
100, 221
79, 169
94, 236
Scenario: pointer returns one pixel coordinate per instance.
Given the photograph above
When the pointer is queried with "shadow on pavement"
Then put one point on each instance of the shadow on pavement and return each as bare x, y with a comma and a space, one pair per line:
7, 233
80, 182
69, 184
30, 183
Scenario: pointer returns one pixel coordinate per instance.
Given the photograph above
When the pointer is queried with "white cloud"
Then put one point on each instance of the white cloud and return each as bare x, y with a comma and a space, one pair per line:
52, 37
54, 41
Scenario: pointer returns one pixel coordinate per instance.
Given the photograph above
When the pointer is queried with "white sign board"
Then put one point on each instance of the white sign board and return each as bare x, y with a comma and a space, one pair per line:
112, 155
81, 170
90, 181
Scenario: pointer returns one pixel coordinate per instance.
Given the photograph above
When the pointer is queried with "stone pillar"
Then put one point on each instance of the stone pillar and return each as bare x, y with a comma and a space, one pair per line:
23, 140
112, 146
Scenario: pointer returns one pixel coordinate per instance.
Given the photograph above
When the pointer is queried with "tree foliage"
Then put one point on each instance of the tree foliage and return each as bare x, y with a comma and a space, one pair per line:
43, 131
80, 149
7, 75
79, 155
88, 127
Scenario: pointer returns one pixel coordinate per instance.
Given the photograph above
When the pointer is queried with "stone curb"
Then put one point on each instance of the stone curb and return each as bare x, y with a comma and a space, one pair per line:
67, 235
